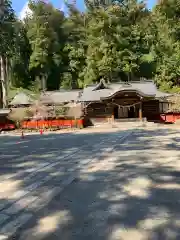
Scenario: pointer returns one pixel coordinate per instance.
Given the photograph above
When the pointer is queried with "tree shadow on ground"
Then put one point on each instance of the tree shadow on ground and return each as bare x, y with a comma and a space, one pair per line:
133, 194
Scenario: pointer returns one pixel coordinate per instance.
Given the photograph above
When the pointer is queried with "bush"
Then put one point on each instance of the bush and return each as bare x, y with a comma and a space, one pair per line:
18, 115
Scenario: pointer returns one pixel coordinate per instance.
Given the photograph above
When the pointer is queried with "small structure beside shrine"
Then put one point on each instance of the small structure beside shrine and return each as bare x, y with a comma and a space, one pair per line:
171, 111
5, 123
51, 110
21, 100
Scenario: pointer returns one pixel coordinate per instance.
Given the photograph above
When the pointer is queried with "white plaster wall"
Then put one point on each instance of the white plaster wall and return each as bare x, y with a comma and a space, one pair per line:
163, 107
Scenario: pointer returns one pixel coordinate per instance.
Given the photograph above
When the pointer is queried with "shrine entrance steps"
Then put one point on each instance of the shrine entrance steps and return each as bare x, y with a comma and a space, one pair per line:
126, 123
132, 123
119, 120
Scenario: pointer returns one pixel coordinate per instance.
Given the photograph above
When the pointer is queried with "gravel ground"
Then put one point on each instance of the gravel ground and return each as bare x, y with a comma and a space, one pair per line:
130, 193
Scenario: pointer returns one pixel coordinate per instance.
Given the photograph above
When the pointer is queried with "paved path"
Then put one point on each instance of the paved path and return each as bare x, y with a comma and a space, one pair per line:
131, 193
35, 169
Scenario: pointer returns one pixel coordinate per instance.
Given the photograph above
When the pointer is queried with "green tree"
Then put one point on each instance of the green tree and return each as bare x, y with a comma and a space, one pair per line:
75, 48
20, 74
45, 34
166, 18
7, 39
119, 45
113, 40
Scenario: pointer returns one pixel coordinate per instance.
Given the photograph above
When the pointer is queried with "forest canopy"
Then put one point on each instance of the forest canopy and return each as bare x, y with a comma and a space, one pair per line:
114, 40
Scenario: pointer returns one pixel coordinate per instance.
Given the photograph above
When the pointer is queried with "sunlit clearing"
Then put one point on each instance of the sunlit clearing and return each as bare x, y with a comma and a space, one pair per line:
122, 233
138, 187
26, 164
52, 222
152, 223
101, 166
117, 196
48, 155
8, 187
158, 217
169, 186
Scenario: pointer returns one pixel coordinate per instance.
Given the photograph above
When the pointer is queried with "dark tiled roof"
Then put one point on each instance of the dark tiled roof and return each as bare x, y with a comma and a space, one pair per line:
90, 95
4, 111
21, 99
94, 92
145, 88
57, 97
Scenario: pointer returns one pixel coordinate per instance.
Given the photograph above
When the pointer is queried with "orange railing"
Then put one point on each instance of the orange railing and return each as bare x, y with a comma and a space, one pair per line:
58, 123
7, 126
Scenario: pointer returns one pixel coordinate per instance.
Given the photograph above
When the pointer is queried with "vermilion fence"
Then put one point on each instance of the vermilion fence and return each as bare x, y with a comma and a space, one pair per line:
79, 123
170, 117
29, 124
7, 126
62, 123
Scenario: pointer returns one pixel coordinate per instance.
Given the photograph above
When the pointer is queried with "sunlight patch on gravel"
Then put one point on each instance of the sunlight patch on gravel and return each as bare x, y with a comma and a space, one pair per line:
122, 233
27, 164
157, 217
8, 187
117, 196
52, 222
168, 186
46, 225
101, 166
138, 187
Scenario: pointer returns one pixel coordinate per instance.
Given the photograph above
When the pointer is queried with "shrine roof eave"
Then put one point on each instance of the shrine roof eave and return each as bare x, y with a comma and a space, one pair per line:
140, 93
4, 112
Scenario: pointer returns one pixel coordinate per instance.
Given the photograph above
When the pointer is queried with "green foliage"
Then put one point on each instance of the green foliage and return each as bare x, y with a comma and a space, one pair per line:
167, 45
20, 74
75, 48
18, 115
44, 31
118, 44
61, 111
7, 28
114, 40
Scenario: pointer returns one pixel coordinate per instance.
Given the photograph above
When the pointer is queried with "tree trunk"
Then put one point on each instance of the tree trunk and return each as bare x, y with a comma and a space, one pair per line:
7, 72
44, 83
3, 81
1, 103
128, 76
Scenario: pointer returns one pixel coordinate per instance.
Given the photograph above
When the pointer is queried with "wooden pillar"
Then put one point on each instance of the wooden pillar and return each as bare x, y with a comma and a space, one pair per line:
112, 115
140, 111
112, 118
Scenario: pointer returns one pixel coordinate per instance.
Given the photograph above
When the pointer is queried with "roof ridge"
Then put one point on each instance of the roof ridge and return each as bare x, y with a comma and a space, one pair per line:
62, 91
143, 81
91, 85
140, 81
